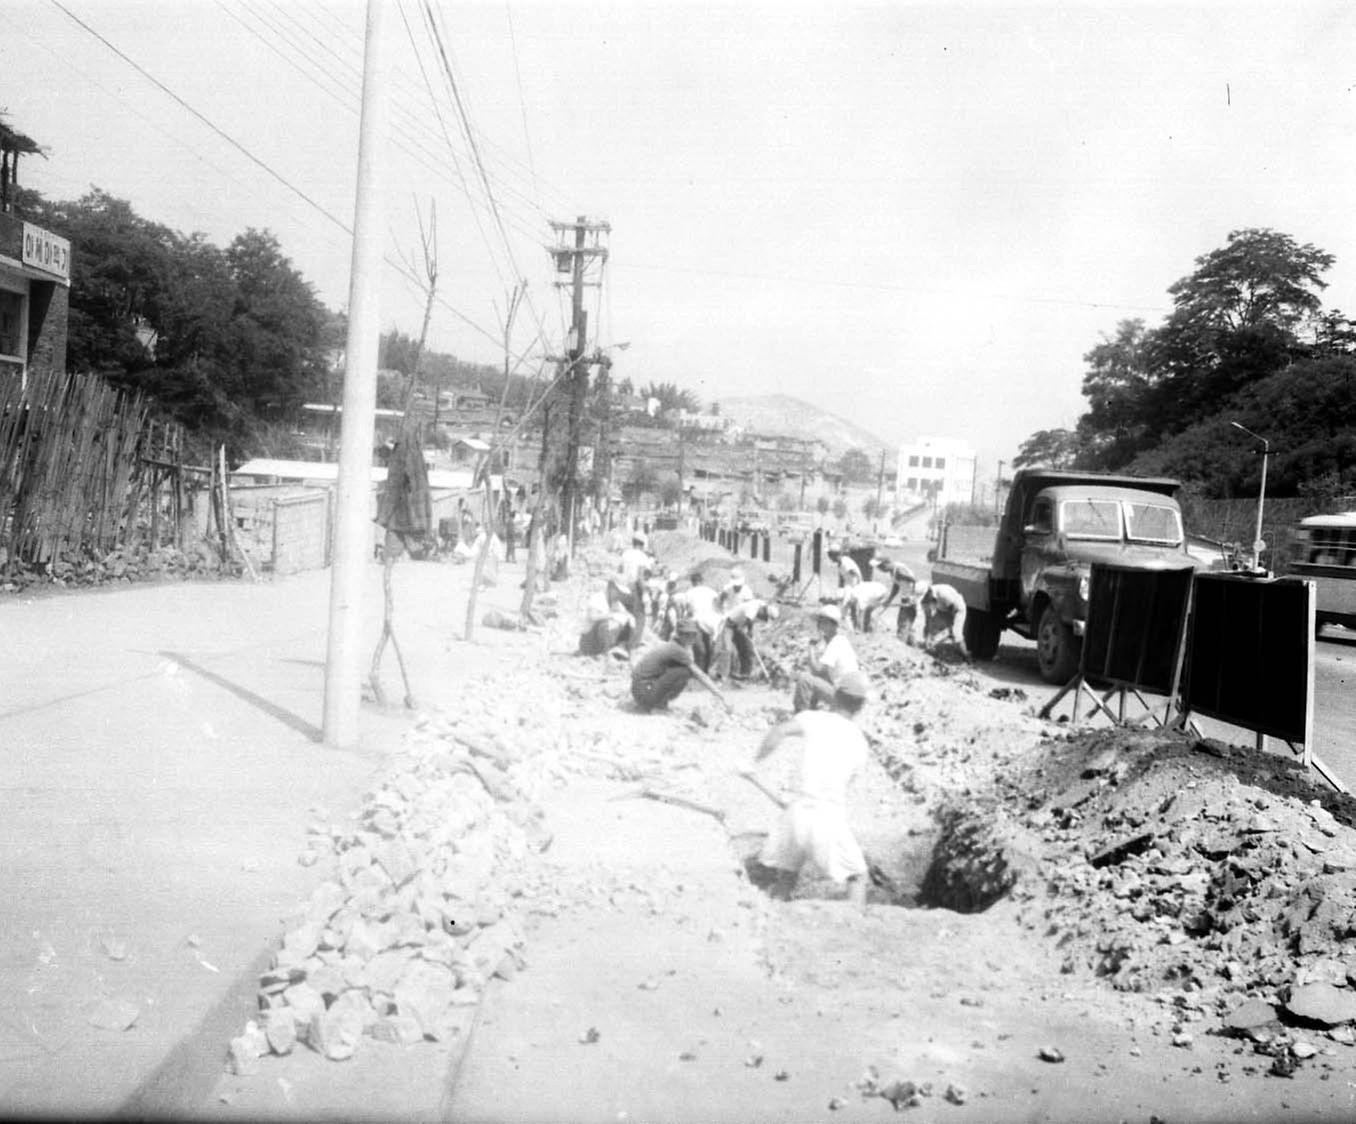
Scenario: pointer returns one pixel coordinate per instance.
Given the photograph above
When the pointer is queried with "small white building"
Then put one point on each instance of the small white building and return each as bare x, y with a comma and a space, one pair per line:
939, 469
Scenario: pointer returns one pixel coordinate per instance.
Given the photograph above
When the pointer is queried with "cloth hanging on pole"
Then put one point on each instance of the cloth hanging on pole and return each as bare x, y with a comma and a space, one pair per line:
406, 506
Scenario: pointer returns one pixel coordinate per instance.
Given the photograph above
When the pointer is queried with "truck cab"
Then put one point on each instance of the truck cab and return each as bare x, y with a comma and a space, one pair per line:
1056, 525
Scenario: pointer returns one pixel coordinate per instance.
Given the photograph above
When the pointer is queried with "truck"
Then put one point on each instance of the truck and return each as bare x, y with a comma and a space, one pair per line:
1035, 578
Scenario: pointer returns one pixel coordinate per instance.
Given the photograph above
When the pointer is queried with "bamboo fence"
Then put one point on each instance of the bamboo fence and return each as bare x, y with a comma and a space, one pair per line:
81, 468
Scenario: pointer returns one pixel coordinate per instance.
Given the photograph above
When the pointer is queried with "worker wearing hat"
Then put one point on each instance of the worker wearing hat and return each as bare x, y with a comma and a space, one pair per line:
739, 622
831, 657
660, 675
813, 832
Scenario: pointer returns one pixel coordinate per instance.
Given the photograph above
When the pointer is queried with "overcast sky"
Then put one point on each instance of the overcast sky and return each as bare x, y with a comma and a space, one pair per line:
919, 217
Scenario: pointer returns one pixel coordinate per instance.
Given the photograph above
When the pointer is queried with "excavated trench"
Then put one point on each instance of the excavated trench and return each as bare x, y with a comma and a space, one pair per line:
961, 863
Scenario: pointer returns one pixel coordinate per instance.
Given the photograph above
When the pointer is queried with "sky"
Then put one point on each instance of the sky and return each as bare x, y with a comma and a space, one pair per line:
919, 217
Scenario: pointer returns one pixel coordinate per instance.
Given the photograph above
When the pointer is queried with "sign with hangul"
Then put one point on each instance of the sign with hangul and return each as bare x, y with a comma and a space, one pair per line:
47, 251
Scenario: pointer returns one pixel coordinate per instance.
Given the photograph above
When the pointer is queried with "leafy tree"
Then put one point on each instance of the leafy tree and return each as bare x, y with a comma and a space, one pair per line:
855, 466
822, 505
672, 397
840, 508
642, 479
873, 508
1048, 448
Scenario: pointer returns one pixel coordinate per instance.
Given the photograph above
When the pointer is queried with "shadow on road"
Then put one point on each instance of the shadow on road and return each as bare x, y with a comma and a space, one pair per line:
286, 717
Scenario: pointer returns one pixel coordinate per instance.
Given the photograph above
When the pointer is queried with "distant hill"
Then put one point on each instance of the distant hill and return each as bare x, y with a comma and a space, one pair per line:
783, 414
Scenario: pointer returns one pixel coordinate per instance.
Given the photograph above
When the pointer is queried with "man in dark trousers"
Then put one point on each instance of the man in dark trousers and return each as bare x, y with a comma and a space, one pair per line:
660, 675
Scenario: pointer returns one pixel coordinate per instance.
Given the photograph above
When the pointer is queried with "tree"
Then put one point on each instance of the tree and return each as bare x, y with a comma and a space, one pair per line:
855, 465
822, 505
873, 508
840, 508
642, 479
672, 397
670, 491
786, 502
1048, 448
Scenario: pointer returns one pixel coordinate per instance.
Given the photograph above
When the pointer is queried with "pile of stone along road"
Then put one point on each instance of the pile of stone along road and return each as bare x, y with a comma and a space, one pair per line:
1218, 878
421, 903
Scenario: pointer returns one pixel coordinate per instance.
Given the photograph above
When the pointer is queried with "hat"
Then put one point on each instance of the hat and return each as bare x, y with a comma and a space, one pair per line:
772, 612
853, 685
736, 576
829, 613
686, 630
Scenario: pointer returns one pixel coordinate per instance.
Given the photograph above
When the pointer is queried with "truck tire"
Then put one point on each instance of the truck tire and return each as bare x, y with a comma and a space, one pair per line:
1056, 648
982, 630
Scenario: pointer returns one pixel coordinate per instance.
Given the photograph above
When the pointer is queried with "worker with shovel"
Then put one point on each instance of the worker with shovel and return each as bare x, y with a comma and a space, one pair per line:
739, 622
813, 832
660, 675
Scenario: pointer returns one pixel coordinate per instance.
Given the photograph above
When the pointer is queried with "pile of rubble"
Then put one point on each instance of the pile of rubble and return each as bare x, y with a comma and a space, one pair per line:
422, 905
125, 564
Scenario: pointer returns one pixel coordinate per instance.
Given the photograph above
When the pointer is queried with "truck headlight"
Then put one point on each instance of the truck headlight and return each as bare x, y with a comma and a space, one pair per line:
1084, 587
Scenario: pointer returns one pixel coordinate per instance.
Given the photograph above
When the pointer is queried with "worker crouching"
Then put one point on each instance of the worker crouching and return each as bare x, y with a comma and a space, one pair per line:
831, 657
661, 674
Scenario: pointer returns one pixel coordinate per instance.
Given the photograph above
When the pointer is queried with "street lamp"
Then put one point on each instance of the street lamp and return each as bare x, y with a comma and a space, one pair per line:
1258, 545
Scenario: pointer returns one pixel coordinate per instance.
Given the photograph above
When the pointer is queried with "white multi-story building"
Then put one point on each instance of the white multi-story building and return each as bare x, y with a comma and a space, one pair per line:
937, 469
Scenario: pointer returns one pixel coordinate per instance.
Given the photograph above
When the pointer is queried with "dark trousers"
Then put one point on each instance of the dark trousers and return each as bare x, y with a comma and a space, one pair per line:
742, 635
653, 694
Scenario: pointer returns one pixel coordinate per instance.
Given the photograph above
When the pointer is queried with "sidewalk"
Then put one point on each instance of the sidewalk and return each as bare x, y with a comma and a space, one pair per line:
161, 765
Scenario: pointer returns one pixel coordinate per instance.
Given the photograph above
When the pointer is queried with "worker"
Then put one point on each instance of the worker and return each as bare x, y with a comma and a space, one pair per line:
831, 657
739, 622
626, 587
849, 573
605, 625
813, 832
905, 586
735, 591
698, 604
943, 611
660, 675
862, 600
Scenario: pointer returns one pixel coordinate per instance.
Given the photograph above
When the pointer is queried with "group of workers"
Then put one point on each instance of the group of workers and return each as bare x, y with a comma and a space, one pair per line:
688, 632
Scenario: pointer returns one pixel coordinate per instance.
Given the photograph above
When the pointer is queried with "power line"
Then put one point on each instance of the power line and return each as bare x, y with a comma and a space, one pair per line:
882, 287
522, 102
397, 266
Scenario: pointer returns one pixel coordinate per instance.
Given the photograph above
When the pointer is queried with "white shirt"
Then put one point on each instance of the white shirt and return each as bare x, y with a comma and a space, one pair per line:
832, 749
745, 611
701, 604
634, 565
848, 569
838, 658
867, 595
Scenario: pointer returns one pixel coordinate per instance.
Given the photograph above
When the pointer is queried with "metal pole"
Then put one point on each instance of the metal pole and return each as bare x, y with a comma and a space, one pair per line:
353, 533
1261, 499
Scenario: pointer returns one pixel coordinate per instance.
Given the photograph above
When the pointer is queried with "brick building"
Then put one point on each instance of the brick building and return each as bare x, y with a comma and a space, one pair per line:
35, 282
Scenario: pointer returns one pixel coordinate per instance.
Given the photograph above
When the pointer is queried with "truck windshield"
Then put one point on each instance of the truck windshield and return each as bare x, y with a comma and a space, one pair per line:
1152, 522
1091, 519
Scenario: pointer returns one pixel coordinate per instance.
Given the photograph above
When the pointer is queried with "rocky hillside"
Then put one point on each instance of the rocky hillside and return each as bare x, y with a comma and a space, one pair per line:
783, 414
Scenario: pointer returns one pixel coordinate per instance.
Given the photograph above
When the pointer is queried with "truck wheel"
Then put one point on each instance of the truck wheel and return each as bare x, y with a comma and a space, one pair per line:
1056, 648
982, 630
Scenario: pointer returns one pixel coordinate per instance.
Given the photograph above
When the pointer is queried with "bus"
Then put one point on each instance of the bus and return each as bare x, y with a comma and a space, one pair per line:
1323, 551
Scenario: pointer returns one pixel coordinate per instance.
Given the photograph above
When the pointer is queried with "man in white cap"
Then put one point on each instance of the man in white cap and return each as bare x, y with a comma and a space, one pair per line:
831, 657
813, 832
735, 591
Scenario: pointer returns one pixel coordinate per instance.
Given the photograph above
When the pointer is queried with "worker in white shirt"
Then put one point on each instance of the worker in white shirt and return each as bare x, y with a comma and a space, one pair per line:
943, 611
735, 591
626, 586
861, 601
813, 832
849, 573
739, 622
698, 604
605, 625
831, 657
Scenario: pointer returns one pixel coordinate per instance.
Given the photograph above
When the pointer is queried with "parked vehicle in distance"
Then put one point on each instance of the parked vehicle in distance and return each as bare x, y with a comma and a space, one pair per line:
1323, 551
1055, 526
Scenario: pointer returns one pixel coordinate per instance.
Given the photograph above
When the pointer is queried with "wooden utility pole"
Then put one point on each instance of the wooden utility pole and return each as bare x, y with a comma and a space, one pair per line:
573, 259
353, 526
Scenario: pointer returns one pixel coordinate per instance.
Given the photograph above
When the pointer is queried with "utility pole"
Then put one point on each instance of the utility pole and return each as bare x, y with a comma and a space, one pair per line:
880, 483
572, 259
353, 524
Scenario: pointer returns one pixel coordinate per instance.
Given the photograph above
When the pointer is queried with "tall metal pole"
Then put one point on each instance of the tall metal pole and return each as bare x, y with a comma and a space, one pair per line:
353, 516
1257, 544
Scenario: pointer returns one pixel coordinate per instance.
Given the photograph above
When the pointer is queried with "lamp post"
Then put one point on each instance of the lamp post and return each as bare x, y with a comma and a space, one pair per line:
1258, 545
